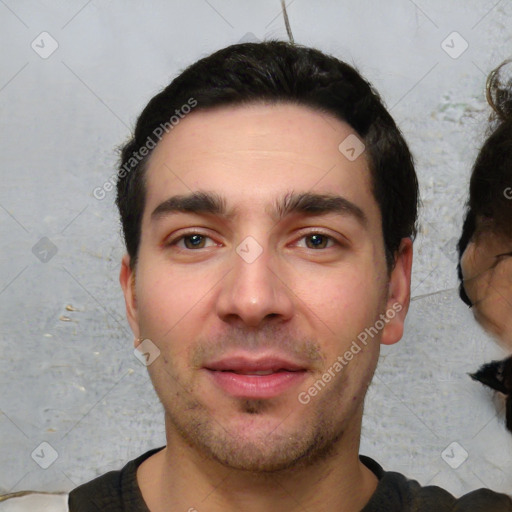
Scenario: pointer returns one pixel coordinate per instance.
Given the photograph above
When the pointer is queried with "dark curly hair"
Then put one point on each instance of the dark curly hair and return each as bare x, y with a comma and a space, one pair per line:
280, 72
491, 176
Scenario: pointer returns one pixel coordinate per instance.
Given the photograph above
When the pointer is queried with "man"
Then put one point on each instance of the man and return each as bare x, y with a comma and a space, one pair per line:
268, 204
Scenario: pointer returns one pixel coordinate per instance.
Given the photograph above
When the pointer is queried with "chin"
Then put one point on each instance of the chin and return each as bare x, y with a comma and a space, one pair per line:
254, 442
272, 455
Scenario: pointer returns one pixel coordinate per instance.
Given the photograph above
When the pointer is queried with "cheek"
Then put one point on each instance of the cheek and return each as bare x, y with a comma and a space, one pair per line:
467, 263
469, 270
343, 303
496, 297
167, 300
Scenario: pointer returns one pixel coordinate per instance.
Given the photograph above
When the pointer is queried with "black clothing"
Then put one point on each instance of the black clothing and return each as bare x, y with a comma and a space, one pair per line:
118, 491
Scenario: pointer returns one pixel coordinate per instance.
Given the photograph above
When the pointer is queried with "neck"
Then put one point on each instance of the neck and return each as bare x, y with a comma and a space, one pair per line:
179, 478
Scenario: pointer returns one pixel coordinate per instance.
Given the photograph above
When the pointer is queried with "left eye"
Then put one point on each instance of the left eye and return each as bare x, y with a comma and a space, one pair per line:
318, 241
192, 241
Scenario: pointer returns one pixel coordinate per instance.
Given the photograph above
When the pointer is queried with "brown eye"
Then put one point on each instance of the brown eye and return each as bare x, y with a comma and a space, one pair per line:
194, 241
191, 241
317, 241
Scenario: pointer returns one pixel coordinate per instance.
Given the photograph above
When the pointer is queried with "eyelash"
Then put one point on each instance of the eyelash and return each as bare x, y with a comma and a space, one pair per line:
174, 242
187, 235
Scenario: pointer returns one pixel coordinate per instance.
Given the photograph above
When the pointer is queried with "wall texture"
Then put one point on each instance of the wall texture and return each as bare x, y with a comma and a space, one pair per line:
74, 75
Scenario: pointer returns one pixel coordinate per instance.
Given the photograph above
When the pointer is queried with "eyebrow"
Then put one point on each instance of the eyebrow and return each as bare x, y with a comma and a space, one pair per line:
305, 203
196, 202
317, 204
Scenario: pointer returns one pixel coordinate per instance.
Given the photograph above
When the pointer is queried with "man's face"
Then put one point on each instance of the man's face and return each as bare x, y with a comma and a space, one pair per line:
267, 286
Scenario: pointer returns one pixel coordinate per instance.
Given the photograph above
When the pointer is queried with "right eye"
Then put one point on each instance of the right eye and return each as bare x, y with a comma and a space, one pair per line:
191, 241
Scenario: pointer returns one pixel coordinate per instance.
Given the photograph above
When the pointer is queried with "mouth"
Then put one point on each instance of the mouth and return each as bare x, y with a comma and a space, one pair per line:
265, 377
259, 372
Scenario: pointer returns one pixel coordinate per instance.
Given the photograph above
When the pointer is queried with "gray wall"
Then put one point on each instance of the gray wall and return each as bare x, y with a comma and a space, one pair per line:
67, 372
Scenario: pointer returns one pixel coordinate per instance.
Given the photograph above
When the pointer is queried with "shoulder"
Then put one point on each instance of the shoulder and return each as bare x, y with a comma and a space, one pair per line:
395, 492
103, 492
482, 500
115, 490
28, 501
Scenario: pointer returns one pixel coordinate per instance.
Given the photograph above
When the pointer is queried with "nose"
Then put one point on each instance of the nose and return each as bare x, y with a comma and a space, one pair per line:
254, 292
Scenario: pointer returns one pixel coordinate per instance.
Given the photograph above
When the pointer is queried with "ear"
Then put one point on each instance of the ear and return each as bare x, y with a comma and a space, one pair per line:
399, 293
127, 281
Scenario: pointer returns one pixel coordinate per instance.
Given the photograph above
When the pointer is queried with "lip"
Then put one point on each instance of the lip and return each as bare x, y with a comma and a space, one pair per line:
243, 363
233, 375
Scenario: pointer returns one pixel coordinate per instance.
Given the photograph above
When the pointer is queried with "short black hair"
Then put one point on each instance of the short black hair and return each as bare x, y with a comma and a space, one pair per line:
278, 72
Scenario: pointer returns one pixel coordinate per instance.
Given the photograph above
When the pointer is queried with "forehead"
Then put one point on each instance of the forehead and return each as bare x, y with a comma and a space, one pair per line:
255, 154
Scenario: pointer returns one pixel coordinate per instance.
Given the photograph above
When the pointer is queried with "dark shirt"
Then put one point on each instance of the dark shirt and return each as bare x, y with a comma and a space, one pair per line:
118, 491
